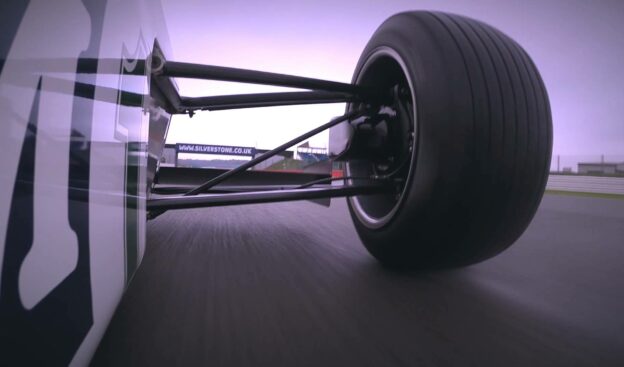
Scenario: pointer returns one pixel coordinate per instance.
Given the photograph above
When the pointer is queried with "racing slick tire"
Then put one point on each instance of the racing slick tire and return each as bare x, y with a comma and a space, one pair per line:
480, 142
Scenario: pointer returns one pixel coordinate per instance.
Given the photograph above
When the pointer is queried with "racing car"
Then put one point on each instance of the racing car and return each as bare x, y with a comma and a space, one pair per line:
445, 144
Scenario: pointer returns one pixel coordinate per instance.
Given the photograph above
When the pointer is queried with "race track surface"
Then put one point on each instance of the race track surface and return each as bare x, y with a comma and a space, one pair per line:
290, 284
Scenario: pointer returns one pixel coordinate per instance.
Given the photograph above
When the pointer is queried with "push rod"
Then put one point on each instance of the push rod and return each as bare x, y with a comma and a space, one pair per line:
224, 176
216, 103
209, 200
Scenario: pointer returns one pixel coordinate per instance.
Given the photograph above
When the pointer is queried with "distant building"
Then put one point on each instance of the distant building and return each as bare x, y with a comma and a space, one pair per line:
311, 155
601, 168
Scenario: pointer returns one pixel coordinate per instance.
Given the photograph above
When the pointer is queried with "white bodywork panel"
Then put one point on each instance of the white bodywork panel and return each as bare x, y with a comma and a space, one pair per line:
83, 158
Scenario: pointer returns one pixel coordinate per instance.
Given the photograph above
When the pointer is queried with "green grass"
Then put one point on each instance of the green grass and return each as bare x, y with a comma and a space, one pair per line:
586, 194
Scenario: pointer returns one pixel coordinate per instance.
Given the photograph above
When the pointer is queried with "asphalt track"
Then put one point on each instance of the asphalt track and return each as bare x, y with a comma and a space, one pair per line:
290, 284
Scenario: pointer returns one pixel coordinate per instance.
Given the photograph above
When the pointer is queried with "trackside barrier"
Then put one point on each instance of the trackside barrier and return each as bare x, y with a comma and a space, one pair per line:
603, 185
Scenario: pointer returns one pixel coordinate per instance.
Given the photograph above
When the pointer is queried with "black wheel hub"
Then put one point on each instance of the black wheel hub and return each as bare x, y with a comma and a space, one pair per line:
383, 145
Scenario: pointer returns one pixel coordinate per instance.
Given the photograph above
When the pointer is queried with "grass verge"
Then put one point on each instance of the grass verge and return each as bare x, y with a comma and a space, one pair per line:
586, 194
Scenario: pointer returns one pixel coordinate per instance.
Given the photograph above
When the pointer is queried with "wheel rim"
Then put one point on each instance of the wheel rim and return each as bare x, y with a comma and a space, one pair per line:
385, 67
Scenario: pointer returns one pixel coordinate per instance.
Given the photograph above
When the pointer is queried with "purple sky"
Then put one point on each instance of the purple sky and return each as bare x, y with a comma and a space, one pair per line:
577, 45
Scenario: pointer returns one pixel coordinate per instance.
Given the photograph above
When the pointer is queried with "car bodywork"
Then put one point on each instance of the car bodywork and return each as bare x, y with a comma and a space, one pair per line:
74, 169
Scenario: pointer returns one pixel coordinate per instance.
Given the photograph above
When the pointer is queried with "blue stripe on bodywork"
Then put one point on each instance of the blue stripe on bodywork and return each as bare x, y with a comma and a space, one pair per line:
11, 14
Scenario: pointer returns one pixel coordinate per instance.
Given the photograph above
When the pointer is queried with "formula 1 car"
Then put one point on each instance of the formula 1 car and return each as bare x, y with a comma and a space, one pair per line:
445, 141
